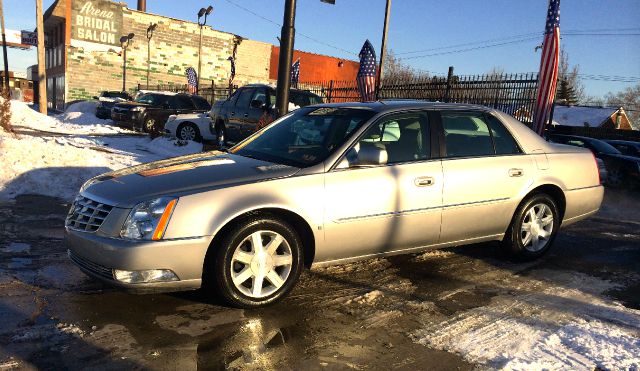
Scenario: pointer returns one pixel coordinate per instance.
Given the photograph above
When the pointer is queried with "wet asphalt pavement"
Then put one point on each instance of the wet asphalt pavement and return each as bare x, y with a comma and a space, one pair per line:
357, 316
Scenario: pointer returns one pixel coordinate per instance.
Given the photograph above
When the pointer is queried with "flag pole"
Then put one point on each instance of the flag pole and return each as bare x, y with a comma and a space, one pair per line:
383, 47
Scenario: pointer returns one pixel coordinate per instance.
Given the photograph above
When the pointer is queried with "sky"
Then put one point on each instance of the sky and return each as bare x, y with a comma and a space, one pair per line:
601, 36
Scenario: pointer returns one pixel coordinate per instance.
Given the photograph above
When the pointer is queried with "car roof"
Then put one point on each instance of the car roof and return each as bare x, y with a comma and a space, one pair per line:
401, 104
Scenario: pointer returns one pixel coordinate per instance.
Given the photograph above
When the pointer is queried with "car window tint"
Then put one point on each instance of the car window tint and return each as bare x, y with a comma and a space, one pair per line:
405, 137
260, 95
181, 102
502, 139
466, 134
201, 103
244, 98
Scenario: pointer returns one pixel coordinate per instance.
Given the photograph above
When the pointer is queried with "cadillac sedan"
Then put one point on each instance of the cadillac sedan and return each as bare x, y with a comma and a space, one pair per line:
330, 184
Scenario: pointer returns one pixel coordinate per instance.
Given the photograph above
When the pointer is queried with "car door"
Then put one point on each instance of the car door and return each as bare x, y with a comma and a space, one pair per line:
485, 175
257, 107
237, 112
386, 208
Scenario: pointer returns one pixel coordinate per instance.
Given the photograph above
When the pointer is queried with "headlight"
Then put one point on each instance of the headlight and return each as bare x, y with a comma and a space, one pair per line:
148, 220
137, 109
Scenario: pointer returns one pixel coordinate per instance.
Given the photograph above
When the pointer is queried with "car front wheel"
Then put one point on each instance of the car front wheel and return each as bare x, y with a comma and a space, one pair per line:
533, 228
189, 131
256, 263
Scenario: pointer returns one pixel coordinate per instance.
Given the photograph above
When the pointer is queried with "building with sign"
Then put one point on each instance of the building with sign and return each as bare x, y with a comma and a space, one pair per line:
84, 54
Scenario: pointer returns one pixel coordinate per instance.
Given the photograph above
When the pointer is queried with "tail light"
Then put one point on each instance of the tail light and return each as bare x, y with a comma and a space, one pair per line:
595, 160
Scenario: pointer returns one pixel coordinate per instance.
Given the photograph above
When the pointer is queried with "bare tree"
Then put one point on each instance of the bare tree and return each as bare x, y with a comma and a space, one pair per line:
395, 69
629, 99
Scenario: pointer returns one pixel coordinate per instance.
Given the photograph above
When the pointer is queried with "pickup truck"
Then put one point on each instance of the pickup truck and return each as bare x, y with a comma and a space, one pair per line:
237, 117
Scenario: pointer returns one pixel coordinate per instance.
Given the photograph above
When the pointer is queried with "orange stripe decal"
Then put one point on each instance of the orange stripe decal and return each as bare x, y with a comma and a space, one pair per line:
164, 220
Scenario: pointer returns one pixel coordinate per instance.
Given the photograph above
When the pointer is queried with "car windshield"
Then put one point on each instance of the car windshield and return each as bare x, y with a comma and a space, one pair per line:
305, 137
603, 147
152, 99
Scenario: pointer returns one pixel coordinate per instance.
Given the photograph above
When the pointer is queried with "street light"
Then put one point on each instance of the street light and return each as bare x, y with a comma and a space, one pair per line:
202, 12
150, 29
124, 43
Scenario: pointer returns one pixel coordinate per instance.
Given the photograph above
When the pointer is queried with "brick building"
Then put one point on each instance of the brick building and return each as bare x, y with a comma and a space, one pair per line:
84, 55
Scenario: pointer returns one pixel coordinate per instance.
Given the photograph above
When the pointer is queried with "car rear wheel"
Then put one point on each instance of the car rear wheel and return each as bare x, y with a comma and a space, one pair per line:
256, 263
533, 228
189, 131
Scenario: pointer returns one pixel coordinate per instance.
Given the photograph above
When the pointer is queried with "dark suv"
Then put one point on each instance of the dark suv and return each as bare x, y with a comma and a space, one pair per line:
149, 112
237, 117
108, 99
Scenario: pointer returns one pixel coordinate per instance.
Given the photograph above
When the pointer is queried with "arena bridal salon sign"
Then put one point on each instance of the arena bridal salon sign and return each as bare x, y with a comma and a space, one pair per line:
96, 21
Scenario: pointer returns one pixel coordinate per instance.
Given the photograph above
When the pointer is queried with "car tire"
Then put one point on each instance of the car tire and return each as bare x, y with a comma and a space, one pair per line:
616, 177
189, 131
221, 135
246, 271
533, 228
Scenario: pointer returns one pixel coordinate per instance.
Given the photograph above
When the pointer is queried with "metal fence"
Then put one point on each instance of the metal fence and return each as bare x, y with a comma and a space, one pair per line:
512, 93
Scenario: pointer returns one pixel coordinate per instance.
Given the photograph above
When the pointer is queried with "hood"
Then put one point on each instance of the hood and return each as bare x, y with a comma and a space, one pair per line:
192, 116
180, 176
130, 105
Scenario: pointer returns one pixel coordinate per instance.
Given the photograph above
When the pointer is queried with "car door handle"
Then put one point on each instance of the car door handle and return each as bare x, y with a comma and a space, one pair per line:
516, 172
424, 181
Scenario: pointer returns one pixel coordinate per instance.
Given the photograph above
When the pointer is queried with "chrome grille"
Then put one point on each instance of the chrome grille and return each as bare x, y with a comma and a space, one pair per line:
87, 215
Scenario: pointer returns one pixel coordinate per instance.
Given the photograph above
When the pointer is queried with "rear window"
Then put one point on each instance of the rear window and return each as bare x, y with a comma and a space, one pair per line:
153, 99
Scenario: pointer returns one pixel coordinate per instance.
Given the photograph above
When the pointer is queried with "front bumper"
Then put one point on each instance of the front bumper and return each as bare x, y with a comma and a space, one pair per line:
97, 256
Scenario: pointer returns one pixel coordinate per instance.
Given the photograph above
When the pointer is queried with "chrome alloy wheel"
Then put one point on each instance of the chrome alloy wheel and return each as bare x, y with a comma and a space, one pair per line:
261, 264
537, 227
220, 139
187, 132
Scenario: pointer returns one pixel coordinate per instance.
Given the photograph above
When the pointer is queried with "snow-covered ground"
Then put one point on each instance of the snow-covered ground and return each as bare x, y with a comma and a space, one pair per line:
566, 326
55, 155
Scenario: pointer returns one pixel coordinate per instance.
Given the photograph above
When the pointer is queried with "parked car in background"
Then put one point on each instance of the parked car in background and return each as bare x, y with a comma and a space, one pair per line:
150, 111
626, 147
192, 126
237, 117
330, 184
623, 170
106, 101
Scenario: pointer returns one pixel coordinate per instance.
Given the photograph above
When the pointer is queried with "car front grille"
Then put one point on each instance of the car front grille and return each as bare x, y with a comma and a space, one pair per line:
87, 215
91, 267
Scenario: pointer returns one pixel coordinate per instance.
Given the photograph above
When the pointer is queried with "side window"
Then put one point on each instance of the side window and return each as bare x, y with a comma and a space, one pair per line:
466, 134
201, 103
244, 98
504, 142
260, 95
181, 102
405, 137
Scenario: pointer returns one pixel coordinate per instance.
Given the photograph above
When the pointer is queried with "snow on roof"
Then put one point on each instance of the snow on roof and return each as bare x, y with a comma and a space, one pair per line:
578, 116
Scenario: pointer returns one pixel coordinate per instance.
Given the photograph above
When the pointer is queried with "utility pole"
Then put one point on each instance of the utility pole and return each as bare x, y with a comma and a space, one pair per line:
42, 72
150, 29
203, 12
287, 36
124, 43
4, 50
383, 47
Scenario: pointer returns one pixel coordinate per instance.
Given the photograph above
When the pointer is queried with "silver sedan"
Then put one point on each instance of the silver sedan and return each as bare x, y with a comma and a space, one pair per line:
330, 184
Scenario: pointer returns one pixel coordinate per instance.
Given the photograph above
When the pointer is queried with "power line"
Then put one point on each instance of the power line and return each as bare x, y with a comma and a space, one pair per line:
297, 32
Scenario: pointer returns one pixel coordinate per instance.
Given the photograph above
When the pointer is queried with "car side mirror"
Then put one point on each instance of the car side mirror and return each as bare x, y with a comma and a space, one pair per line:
364, 156
257, 104
95, 97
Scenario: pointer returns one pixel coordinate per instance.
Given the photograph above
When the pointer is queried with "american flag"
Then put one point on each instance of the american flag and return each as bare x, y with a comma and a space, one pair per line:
366, 77
192, 80
233, 69
295, 73
548, 75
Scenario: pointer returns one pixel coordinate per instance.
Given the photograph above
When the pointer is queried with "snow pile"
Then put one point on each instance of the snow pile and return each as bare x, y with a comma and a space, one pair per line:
73, 121
557, 328
57, 165
82, 113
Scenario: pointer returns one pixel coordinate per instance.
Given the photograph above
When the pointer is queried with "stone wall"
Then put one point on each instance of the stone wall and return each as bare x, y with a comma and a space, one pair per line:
174, 47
